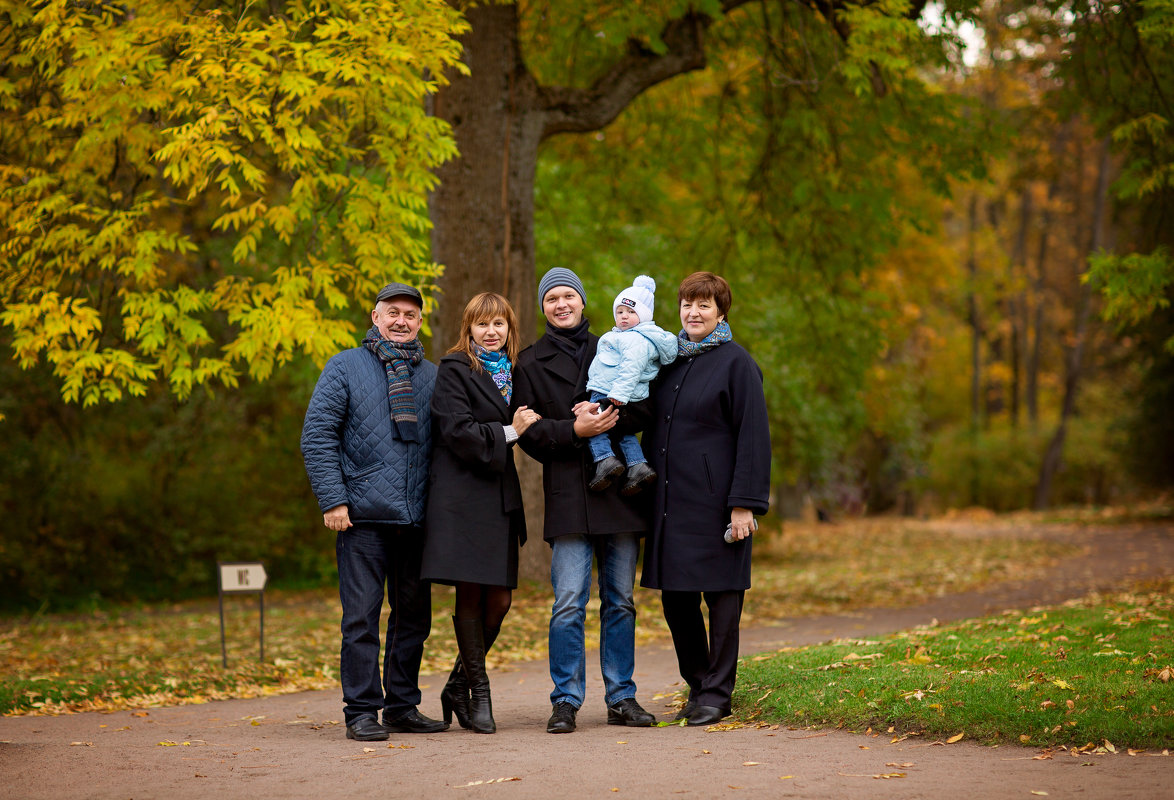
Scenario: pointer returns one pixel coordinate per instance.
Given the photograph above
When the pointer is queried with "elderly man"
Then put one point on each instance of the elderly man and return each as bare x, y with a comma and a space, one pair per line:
581, 525
366, 443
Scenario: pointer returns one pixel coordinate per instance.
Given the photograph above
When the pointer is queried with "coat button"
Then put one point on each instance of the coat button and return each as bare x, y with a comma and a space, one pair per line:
678, 386
667, 417
662, 451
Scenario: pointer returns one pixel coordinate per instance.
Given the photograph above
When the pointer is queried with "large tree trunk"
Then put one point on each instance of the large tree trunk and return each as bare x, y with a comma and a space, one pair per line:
1074, 361
483, 210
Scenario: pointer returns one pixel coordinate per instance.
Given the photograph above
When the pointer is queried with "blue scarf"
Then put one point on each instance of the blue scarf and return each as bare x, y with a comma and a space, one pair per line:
719, 335
398, 358
499, 368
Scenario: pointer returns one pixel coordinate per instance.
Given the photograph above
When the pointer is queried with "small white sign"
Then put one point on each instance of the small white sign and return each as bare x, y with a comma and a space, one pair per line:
242, 577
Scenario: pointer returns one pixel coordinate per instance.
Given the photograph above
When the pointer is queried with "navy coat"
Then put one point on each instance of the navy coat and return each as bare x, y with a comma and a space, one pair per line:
350, 447
710, 446
550, 382
475, 522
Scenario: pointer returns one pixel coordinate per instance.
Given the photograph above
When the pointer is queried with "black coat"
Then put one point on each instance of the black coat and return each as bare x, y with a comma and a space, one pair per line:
710, 445
474, 521
550, 382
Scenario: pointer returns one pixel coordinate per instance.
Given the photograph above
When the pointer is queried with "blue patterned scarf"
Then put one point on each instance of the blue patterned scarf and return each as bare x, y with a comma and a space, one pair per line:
719, 335
398, 358
499, 368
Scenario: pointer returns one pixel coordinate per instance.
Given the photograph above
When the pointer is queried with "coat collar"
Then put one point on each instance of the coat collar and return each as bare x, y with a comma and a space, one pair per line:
562, 365
481, 379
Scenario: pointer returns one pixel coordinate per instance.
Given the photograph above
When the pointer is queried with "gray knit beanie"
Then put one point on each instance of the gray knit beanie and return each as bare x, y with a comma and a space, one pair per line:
560, 276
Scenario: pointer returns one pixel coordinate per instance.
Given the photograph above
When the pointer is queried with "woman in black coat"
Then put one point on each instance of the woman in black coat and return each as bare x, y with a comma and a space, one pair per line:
710, 444
474, 523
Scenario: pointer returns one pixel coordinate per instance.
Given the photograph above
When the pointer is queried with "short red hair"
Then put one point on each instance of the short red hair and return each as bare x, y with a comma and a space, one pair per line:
706, 286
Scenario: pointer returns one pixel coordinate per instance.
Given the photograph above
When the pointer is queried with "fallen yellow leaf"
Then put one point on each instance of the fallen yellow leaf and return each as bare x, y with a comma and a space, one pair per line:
1044, 794
750, 763
785, 777
956, 738
1109, 746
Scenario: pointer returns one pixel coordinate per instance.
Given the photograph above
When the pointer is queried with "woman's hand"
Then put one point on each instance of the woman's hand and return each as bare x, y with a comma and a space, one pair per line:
741, 523
524, 418
589, 421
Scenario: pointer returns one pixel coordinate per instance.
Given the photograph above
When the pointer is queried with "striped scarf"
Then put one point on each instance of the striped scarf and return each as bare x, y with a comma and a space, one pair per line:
719, 335
499, 368
398, 358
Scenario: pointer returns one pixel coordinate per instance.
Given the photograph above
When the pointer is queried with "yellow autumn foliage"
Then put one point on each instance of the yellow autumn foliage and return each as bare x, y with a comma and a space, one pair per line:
188, 190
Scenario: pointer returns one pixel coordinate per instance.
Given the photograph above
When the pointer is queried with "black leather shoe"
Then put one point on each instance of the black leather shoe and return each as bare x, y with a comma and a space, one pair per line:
414, 722
706, 715
366, 729
687, 710
639, 476
562, 719
605, 472
628, 712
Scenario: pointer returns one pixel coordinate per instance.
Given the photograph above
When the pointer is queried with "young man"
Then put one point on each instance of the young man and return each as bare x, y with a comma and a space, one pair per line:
581, 525
366, 442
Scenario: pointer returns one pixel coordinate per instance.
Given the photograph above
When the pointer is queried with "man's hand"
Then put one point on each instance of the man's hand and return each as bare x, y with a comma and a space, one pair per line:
589, 421
337, 518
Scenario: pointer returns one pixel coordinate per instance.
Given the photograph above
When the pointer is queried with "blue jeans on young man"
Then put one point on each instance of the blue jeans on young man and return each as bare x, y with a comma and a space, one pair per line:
570, 575
600, 443
370, 558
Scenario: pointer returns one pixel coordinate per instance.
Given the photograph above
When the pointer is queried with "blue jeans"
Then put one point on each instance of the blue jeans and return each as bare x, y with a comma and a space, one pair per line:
600, 443
570, 575
370, 557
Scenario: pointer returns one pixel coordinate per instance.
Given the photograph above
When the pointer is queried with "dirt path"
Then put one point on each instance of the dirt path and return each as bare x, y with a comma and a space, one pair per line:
293, 746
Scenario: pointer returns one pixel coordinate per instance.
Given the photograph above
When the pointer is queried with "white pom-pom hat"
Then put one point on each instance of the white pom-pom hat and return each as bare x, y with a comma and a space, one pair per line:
638, 297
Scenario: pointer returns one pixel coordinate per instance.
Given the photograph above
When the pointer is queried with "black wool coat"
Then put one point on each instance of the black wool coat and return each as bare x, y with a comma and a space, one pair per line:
550, 382
474, 523
710, 445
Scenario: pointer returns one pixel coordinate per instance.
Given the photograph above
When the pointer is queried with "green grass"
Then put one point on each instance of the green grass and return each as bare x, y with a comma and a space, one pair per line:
144, 656
1096, 671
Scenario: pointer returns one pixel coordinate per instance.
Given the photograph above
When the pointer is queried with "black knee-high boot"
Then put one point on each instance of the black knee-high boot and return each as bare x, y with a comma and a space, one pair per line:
454, 698
471, 643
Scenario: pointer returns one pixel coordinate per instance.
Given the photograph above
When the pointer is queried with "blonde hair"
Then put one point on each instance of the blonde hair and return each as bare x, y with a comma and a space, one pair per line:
482, 308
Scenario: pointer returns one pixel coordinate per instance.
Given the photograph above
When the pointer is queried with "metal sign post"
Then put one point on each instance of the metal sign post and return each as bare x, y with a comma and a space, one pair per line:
241, 577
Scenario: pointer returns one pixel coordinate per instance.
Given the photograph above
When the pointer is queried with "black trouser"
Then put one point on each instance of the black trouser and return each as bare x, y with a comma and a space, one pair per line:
370, 557
709, 664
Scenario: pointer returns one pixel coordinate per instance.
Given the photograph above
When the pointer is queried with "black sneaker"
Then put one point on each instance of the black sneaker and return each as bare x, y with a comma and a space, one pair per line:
628, 712
606, 471
639, 476
562, 718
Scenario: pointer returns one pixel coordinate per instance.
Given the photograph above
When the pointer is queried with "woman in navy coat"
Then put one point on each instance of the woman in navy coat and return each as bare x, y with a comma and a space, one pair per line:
474, 523
709, 442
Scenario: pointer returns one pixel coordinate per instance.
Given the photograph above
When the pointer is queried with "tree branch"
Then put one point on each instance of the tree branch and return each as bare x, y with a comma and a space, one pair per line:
568, 110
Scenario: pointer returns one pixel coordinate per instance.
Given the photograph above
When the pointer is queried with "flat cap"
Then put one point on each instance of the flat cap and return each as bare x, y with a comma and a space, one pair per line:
392, 290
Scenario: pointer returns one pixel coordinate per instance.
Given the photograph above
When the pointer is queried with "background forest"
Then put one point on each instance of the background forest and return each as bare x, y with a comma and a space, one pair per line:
947, 228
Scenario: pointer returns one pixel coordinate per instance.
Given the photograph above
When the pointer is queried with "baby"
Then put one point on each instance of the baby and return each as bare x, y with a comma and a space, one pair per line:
627, 358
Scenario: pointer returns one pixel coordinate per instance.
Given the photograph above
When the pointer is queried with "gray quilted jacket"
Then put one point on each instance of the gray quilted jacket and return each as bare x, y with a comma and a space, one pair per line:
349, 444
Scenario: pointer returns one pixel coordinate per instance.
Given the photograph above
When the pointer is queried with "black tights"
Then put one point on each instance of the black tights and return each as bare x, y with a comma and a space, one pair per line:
490, 604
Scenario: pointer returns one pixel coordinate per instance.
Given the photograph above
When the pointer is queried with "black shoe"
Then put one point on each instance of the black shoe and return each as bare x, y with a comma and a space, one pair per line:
562, 719
706, 715
366, 729
628, 712
454, 697
687, 710
606, 471
640, 475
414, 722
